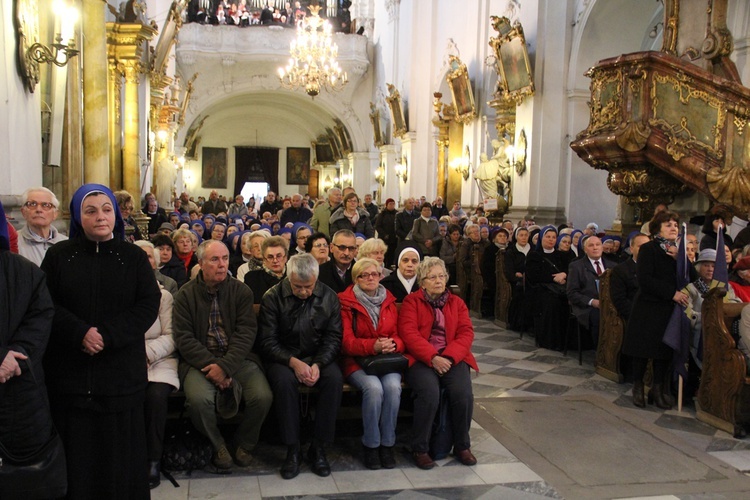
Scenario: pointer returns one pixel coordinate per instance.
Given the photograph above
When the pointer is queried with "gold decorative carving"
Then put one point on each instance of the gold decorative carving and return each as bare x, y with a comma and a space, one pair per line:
26, 20
633, 136
511, 58
611, 328
700, 104
640, 185
460, 85
606, 100
730, 184
397, 111
671, 20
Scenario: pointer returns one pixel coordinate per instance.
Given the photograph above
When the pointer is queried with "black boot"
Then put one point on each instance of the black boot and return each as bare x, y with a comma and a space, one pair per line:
154, 474
638, 396
372, 458
659, 401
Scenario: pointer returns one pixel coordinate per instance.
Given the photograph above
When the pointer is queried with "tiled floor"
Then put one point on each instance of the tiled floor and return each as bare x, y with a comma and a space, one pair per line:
509, 367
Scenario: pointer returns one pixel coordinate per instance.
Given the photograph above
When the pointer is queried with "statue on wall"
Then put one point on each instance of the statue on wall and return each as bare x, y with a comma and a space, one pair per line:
494, 174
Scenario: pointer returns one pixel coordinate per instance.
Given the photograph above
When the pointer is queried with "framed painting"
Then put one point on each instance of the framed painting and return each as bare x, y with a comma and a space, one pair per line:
297, 165
335, 142
323, 153
460, 85
515, 80
346, 146
397, 111
214, 171
377, 132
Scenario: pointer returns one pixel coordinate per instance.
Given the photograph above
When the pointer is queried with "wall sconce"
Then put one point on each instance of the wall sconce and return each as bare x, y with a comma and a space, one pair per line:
517, 156
401, 169
346, 179
654, 31
32, 52
327, 183
380, 175
161, 139
461, 165
337, 182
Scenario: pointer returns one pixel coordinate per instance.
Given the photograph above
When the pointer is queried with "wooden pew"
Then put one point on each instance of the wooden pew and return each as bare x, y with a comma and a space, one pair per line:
503, 291
724, 396
461, 277
611, 329
477, 290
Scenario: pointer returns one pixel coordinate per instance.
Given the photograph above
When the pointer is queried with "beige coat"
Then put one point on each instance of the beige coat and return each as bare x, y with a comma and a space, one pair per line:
160, 347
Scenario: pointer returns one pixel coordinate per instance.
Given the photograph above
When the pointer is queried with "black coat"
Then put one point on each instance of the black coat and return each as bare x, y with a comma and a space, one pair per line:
515, 262
339, 221
394, 285
305, 329
328, 275
26, 310
385, 225
260, 282
623, 285
652, 305
405, 222
110, 286
175, 269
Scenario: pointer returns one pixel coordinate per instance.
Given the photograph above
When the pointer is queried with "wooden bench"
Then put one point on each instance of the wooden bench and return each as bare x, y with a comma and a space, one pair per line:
723, 399
503, 291
611, 330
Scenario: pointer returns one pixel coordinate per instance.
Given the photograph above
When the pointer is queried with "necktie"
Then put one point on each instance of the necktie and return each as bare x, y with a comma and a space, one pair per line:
598, 268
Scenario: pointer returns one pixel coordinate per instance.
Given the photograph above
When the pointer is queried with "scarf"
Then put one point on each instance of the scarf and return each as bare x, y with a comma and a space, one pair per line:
664, 243
408, 283
501, 246
371, 303
353, 219
701, 286
437, 334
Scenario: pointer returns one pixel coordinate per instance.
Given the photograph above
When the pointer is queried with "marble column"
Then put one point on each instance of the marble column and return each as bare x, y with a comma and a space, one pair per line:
388, 155
442, 142
362, 167
71, 159
95, 115
114, 91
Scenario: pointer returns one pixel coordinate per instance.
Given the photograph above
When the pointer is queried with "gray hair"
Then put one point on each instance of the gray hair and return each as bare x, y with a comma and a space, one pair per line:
181, 233
371, 245
200, 252
25, 195
303, 266
148, 244
427, 264
343, 233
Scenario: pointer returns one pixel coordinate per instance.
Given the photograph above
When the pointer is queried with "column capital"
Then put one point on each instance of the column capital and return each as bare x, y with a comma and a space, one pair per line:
125, 40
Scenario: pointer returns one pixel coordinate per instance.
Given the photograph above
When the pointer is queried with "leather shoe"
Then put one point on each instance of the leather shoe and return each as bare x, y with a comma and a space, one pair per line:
318, 461
290, 468
372, 458
423, 460
387, 459
465, 456
154, 474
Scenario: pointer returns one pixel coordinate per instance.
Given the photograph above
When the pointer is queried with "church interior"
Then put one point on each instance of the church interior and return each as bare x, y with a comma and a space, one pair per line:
567, 111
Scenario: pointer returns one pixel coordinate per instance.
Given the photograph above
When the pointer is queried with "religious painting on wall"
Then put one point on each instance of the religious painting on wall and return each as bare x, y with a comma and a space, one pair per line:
377, 133
323, 153
214, 172
397, 111
463, 98
512, 60
297, 165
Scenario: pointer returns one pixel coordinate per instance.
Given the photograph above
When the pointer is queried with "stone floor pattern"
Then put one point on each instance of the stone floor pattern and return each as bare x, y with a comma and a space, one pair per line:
509, 366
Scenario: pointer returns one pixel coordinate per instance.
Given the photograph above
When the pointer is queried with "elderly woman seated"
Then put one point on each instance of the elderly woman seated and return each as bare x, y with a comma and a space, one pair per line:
437, 333
697, 290
374, 248
252, 253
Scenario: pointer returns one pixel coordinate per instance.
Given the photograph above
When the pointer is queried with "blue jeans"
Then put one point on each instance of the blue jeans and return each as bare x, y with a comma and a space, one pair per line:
381, 398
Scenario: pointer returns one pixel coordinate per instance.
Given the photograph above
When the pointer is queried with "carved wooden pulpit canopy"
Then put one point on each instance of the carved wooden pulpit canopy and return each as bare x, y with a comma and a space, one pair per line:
665, 121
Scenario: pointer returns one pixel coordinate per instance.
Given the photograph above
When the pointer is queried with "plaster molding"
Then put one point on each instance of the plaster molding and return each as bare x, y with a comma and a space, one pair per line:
392, 7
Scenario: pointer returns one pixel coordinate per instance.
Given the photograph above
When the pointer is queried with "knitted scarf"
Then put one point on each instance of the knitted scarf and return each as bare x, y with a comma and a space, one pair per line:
371, 303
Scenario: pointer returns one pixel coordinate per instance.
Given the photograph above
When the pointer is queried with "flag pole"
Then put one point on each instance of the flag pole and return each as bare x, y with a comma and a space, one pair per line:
680, 381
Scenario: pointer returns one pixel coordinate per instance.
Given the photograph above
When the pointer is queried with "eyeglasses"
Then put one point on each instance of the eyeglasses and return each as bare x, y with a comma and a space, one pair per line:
367, 276
344, 248
271, 258
441, 277
33, 204
320, 245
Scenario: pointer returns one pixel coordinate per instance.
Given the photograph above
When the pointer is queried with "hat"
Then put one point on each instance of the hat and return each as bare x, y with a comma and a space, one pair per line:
167, 226
390, 200
706, 255
228, 401
742, 264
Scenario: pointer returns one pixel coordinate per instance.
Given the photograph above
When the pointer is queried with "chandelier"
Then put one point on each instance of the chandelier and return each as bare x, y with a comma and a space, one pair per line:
313, 63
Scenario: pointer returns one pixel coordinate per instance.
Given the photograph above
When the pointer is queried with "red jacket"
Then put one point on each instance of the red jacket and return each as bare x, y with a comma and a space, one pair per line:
361, 341
741, 291
415, 325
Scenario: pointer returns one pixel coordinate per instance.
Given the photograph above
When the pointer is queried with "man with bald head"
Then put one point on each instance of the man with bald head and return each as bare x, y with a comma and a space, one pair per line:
39, 209
214, 205
298, 212
405, 219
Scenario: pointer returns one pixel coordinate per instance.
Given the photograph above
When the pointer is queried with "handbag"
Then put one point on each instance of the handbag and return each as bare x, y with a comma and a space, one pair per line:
185, 449
40, 474
380, 364
556, 289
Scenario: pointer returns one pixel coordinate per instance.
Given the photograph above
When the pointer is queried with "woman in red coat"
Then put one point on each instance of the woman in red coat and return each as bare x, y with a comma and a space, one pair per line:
370, 319
436, 329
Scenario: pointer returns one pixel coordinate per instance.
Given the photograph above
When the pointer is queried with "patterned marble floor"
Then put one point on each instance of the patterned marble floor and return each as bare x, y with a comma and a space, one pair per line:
509, 367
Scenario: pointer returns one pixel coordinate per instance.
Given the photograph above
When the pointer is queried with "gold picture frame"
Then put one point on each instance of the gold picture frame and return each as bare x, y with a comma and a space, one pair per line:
323, 153
397, 111
377, 132
460, 85
515, 80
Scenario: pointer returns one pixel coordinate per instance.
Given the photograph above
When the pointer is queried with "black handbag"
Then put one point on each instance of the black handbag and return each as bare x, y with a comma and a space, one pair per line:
42, 473
380, 364
556, 289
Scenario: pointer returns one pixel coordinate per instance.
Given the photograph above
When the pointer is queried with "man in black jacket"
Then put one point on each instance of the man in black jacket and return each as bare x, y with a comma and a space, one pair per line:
300, 339
337, 272
271, 204
405, 219
624, 284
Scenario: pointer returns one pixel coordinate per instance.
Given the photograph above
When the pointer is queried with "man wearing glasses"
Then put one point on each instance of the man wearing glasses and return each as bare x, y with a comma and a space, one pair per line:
337, 272
300, 340
39, 208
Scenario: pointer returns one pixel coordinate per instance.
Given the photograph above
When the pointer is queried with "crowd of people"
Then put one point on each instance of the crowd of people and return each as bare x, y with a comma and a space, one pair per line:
114, 328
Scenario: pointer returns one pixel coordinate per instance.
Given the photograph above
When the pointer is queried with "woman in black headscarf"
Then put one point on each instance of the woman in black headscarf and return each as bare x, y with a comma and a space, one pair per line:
547, 273
105, 299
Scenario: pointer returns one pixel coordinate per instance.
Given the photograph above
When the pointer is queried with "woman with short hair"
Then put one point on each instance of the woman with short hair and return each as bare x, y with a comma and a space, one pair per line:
370, 328
318, 245
437, 332
375, 248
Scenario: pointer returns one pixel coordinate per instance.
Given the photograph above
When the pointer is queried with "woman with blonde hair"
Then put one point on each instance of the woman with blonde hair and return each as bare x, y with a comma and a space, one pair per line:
375, 248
